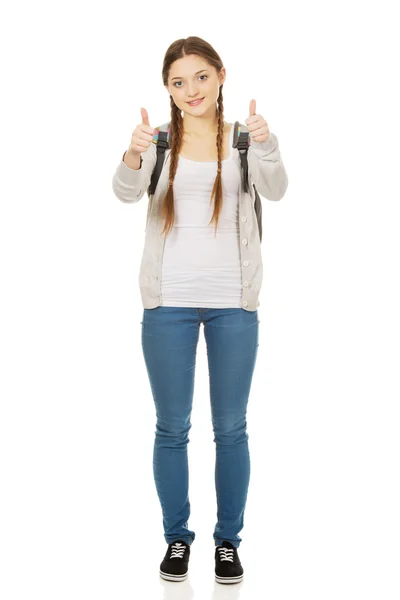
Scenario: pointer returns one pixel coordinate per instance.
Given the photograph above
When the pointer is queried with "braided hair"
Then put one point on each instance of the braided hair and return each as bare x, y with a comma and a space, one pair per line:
179, 49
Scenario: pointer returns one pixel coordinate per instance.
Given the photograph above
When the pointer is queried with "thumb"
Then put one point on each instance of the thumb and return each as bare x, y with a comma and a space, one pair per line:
252, 110
145, 117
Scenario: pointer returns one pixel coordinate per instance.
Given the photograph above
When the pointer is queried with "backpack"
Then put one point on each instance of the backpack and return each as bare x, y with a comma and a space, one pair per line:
163, 137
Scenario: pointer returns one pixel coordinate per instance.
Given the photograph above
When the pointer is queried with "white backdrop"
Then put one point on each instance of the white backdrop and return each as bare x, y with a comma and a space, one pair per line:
79, 514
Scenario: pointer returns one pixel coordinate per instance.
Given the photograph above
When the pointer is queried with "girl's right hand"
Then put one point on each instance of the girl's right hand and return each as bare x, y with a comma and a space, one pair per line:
142, 136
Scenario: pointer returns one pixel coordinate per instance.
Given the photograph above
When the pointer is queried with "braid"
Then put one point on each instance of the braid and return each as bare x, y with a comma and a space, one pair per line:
168, 211
177, 127
217, 189
220, 130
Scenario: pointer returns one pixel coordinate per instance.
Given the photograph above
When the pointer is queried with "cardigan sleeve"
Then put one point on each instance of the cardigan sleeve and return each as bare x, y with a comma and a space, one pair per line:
266, 168
130, 185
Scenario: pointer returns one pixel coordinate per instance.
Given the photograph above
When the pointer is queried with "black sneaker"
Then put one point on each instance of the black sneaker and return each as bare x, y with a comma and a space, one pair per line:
228, 568
174, 567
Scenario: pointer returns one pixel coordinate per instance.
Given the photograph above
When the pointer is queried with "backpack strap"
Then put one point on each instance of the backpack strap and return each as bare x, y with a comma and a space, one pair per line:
162, 138
241, 140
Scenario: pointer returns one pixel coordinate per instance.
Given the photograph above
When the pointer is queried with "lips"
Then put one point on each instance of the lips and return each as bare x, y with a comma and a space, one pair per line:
197, 102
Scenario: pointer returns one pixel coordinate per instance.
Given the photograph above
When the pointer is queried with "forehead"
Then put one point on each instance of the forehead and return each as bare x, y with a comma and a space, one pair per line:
188, 66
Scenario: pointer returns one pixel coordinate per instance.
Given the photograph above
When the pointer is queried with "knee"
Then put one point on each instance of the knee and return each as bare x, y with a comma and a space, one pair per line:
230, 432
173, 432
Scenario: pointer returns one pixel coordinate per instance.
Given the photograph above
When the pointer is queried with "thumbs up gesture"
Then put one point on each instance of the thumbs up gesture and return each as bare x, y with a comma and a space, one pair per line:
142, 136
257, 125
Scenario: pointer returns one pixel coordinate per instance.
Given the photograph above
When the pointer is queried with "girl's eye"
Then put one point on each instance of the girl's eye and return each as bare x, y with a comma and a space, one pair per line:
181, 81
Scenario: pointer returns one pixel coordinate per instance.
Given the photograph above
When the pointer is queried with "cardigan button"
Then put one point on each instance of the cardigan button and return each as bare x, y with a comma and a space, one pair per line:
246, 263
245, 283
244, 219
244, 303
244, 241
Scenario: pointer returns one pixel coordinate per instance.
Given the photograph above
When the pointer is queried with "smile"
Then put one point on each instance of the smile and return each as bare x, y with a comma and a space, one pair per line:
196, 102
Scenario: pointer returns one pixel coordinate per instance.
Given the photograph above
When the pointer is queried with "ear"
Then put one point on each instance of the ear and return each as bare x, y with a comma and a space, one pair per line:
222, 76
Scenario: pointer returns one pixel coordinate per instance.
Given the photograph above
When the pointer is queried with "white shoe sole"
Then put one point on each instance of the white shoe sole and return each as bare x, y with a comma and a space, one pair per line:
172, 577
237, 579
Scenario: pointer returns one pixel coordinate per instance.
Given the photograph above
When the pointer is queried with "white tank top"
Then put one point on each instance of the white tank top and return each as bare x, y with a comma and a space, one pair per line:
198, 269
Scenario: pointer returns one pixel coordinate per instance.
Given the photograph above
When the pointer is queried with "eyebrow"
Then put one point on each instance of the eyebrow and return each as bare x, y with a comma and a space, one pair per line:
195, 74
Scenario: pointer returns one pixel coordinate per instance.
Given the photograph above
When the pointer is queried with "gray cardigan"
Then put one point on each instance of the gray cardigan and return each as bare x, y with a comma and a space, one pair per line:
265, 170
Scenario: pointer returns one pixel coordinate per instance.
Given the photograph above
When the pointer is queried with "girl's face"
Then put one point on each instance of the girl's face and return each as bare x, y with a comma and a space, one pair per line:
192, 78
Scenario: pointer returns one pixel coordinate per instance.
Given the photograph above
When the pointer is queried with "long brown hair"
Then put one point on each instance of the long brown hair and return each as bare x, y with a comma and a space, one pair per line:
177, 50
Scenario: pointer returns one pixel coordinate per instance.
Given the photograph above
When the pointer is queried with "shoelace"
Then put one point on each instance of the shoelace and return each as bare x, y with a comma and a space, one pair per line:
225, 553
177, 550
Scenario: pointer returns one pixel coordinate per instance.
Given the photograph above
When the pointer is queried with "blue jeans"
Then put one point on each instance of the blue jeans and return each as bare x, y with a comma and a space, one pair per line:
169, 340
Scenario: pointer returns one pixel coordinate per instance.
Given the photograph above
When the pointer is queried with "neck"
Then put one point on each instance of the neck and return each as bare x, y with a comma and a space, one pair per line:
199, 126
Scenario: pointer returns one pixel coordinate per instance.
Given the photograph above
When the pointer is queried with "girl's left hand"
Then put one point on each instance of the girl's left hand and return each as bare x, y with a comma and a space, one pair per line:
257, 125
